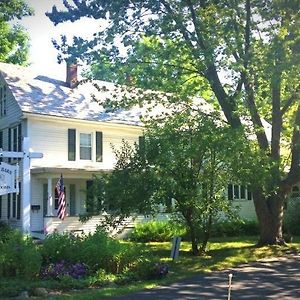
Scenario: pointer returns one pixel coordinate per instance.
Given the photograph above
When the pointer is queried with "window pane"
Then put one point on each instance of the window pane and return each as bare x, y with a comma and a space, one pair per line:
243, 192
85, 153
85, 146
249, 194
236, 192
85, 140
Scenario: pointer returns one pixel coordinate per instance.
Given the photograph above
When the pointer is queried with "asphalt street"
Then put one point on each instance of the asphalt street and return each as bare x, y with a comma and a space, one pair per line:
269, 279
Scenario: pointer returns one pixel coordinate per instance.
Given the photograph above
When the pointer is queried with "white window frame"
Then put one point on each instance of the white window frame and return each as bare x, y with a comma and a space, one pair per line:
237, 189
92, 145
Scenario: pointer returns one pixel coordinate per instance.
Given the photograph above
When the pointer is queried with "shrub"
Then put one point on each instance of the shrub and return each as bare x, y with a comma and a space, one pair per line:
97, 251
156, 231
101, 251
227, 228
151, 269
292, 217
5, 231
60, 269
58, 247
19, 256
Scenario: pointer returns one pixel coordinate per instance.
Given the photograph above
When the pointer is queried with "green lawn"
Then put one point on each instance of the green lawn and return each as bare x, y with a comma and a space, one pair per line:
223, 253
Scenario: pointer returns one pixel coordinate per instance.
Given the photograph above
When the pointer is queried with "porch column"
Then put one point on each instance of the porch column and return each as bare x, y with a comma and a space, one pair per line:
50, 198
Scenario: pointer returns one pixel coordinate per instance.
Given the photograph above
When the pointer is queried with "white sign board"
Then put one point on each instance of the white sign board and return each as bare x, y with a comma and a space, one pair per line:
175, 247
9, 178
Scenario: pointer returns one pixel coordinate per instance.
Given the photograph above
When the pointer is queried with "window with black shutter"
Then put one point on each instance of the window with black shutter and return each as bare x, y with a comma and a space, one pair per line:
71, 144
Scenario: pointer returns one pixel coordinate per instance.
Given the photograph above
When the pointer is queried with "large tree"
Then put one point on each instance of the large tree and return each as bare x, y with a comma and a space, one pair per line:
244, 56
182, 165
14, 40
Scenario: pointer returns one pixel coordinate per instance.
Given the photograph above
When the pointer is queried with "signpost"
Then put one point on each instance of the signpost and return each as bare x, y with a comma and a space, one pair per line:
175, 247
26, 155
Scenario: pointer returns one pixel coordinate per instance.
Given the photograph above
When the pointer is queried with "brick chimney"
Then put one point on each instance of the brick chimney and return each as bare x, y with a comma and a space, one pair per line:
72, 80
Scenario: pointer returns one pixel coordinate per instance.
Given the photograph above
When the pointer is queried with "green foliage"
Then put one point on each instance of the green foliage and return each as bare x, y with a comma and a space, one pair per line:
156, 231
57, 247
235, 228
14, 41
97, 251
241, 56
186, 159
19, 256
5, 231
292, 217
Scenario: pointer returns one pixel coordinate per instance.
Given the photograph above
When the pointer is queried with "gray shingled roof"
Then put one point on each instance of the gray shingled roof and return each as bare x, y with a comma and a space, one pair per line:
46, 96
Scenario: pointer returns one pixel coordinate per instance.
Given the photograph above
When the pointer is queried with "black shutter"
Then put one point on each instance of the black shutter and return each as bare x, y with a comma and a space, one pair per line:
142, 144
8, 205
1, 143
71, 144
9, 143
99, 146
0, 207
89, 197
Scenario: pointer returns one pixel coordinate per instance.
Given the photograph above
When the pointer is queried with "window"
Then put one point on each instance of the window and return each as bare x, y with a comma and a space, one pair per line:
15, 138
295, 192
3, 101
239, 192
85, 146
88, 145
14, 205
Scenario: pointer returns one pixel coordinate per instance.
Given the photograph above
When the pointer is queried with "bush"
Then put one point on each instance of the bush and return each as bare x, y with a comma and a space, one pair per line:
19, 256
228, 228
61, 269
5, 231
99, 251
151, 269
291, 222
58, 247
156, 231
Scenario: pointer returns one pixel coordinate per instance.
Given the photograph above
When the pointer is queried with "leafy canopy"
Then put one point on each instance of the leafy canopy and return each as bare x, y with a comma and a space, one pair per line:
14, 41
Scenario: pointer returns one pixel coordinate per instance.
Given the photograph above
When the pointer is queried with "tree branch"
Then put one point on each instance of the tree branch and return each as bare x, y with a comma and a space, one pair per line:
291, 100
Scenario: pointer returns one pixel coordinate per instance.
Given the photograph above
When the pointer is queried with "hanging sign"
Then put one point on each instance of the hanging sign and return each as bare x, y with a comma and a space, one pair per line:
9, 178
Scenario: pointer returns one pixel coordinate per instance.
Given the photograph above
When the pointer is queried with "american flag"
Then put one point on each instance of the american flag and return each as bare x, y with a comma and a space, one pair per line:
60, 190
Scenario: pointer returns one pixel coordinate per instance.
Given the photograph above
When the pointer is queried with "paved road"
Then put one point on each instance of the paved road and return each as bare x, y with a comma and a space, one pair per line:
269, 279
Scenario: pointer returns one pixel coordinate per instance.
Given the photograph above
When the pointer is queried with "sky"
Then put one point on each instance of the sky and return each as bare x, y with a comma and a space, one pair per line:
43, 55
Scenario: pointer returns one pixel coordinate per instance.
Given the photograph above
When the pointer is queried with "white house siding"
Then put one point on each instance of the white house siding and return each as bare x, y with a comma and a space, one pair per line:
246, 209
13, 111
50, 136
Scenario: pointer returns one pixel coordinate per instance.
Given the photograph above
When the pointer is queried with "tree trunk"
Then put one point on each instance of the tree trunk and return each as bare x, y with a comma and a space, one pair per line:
193, 237
270, 217
206, 236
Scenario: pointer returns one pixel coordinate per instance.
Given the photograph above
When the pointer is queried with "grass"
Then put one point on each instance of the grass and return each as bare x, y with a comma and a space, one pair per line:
222, 254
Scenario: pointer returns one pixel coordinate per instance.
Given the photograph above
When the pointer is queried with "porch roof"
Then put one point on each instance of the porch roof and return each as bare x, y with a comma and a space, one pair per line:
67, 171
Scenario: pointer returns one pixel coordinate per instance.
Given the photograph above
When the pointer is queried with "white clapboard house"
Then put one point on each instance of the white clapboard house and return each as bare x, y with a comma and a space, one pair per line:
74, 134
